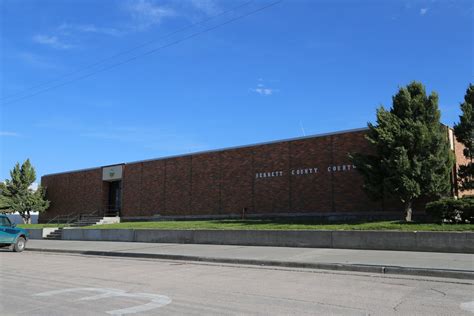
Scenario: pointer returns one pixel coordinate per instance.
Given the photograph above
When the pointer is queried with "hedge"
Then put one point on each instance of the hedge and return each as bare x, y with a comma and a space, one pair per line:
450, 210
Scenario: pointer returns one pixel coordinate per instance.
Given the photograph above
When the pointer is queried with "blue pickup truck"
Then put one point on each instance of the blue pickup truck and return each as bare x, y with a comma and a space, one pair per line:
13, 236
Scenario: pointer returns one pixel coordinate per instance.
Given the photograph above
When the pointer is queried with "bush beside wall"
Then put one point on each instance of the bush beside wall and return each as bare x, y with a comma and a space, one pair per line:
450, 210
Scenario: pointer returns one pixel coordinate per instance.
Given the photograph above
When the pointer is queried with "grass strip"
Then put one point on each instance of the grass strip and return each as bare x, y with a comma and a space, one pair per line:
284, 224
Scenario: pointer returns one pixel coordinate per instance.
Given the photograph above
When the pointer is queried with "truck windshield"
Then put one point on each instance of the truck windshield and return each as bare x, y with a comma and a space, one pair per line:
4, 221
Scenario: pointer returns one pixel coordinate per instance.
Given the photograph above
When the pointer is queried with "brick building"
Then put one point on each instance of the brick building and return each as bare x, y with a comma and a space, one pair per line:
308, 175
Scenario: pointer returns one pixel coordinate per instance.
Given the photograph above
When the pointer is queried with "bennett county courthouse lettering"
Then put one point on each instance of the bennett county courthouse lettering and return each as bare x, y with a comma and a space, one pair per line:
308, 175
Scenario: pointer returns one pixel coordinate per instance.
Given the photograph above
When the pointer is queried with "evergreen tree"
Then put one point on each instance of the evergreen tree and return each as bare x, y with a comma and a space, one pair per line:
464, 132
4, 201
411, 155
16, 194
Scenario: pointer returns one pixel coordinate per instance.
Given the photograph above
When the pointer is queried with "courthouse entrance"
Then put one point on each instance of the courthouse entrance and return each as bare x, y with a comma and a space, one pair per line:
115, 199
112, 177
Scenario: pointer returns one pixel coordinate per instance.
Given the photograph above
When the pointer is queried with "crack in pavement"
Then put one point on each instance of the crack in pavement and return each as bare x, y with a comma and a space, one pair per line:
395, 308
438, 291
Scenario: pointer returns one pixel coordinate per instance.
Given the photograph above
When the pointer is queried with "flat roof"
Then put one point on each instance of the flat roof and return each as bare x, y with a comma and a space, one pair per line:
218, 150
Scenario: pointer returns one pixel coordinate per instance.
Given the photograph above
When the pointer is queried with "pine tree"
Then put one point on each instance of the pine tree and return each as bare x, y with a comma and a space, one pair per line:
411, 152
464, 132
16, 194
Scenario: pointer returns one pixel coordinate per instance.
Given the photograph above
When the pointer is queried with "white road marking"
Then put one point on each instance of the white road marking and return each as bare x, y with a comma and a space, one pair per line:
468, 306
156, 301
79, 289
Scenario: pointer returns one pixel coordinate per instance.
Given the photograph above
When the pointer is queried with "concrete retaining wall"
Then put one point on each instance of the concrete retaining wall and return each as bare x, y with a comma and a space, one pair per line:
36, 233
40, 233
462, 242
99, 234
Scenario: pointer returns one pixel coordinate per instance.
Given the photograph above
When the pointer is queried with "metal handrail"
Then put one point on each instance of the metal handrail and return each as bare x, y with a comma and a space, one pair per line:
69, 218
72, 217
82, 215
60, 217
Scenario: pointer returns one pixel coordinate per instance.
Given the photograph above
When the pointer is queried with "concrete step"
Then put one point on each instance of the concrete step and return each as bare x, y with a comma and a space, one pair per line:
90, 219
83, 224
55, 235
87, 221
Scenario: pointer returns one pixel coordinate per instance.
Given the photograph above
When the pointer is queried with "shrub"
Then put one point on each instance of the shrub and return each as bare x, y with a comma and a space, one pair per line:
450, 210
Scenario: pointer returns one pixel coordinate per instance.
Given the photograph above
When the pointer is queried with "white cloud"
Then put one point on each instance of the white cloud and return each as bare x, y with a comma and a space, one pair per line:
52, 41
70, 32
146, 13
264, 91
208, 7
89, 28
7, 133
423, 11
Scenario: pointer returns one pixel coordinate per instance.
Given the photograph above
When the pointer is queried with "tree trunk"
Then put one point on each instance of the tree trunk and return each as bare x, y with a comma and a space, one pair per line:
408, 211
26, 217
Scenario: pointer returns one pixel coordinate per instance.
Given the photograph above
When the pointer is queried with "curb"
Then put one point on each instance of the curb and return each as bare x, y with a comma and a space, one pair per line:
440, 273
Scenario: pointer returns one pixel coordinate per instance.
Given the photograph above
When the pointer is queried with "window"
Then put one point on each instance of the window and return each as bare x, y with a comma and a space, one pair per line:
4, 221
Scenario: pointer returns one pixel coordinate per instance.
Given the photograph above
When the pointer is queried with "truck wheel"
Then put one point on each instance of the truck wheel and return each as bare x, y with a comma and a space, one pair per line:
19, 245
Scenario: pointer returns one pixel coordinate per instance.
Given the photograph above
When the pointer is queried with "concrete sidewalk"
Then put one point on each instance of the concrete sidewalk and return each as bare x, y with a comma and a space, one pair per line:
375, 261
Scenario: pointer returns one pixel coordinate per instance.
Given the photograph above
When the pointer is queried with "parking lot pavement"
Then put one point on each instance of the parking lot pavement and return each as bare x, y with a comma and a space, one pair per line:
35, 283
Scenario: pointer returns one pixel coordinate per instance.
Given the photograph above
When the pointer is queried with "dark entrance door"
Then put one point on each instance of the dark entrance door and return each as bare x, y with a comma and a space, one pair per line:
115, 198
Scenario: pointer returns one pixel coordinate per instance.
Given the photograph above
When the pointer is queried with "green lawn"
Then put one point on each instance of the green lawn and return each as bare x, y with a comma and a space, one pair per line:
32, 226
286, 224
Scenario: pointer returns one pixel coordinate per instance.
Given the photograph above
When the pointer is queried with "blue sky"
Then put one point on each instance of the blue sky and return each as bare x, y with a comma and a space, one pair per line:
298, 67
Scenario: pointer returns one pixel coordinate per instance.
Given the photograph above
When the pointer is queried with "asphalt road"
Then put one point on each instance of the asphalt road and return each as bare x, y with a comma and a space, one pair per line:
56, 284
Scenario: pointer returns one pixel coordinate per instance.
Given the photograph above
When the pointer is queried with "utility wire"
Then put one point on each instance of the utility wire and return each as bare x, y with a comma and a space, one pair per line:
124, 52
146, 53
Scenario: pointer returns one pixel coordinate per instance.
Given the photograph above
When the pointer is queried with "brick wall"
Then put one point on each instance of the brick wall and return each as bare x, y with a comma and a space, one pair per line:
460, 160
309, 175
73, 193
